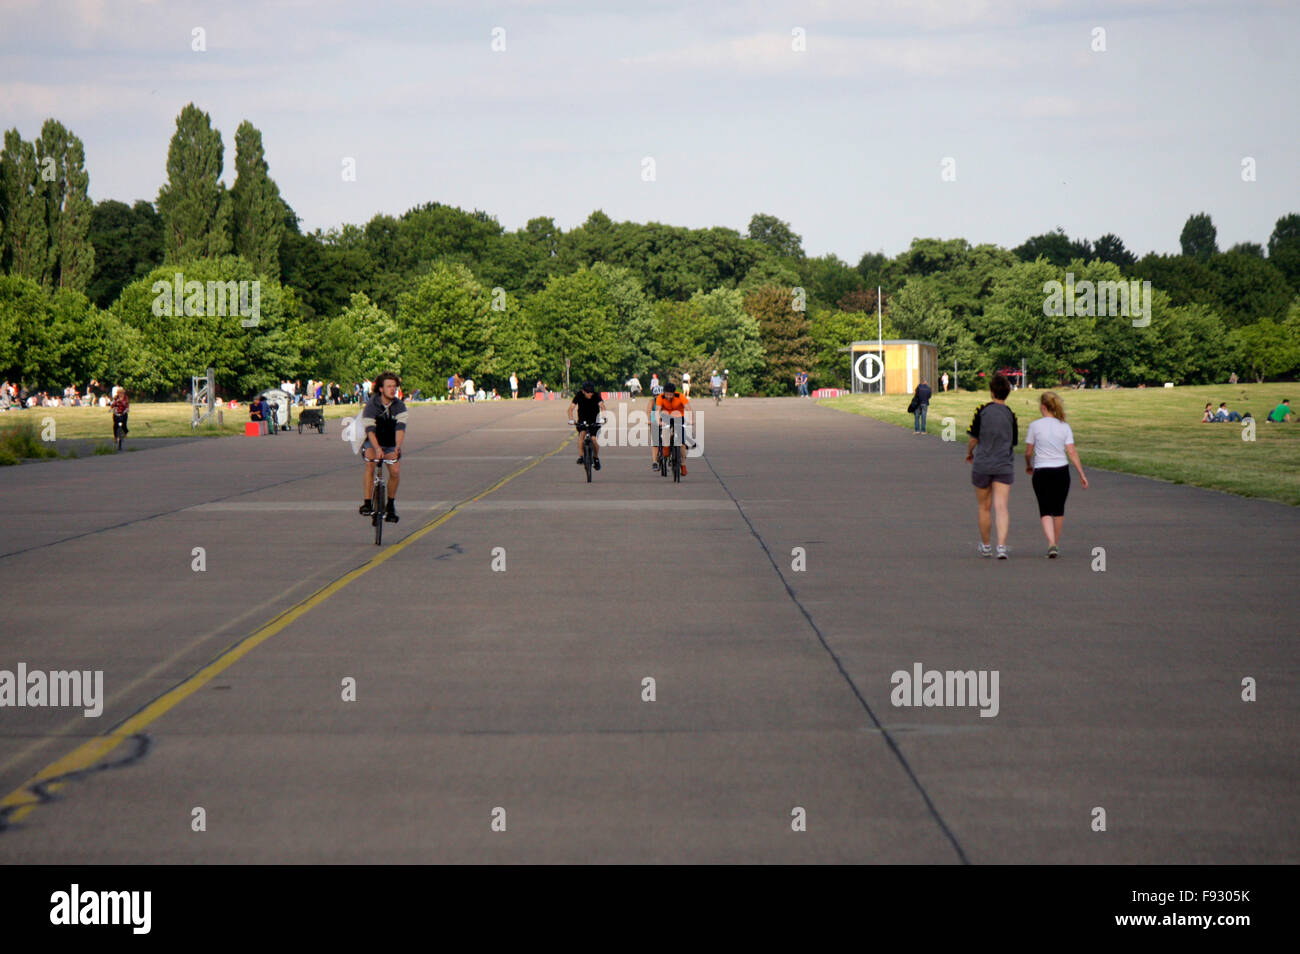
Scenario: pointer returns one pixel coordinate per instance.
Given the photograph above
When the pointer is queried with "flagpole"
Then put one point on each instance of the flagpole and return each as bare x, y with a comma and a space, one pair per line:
880, 340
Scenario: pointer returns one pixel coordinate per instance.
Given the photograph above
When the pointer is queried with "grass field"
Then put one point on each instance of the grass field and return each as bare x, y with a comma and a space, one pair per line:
1153, 432
146, 420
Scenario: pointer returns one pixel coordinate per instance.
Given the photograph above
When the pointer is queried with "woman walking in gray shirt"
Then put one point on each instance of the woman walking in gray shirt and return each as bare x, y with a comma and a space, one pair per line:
993, 435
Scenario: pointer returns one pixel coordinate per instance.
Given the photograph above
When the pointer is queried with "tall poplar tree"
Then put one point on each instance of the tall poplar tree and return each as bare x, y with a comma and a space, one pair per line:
61, 157
258, 211
194, 204
26, 238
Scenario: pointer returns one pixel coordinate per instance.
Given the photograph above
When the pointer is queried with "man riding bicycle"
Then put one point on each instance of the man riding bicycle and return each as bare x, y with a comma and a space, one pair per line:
385, 420
673, 406
121, 407
587, 407
715, 384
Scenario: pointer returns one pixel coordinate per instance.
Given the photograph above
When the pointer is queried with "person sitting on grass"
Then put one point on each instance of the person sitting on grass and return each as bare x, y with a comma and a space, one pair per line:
1229, 416
1282, 413
1208, 417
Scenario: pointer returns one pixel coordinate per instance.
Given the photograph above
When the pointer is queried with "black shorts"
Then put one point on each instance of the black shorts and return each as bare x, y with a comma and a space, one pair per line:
1051, 487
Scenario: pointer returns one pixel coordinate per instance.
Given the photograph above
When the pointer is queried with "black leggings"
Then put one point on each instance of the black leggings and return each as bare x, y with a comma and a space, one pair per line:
1051, 487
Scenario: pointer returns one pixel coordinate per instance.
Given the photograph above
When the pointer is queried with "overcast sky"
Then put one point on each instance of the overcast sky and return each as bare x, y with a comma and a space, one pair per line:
845, 140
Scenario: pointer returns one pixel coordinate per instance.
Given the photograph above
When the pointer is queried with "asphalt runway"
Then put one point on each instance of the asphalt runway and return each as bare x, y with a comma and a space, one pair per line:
501, 641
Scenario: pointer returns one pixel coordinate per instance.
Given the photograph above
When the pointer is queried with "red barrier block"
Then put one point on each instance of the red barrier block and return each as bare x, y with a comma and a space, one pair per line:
254, 428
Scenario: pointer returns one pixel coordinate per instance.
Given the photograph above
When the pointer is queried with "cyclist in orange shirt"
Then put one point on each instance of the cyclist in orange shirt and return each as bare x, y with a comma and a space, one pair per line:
673, 405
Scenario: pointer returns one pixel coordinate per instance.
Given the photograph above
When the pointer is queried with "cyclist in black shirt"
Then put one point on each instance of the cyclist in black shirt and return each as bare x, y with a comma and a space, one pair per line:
385, 420
588, 406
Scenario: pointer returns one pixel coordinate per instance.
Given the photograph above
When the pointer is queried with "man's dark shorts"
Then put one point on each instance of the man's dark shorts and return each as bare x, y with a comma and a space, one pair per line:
984, 481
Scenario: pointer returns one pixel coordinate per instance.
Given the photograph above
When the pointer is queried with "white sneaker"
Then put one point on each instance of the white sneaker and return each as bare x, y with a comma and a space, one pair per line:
986, 550
1002, 552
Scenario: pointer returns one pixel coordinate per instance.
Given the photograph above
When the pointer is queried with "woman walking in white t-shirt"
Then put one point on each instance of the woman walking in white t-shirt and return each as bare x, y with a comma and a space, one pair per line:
1049, 451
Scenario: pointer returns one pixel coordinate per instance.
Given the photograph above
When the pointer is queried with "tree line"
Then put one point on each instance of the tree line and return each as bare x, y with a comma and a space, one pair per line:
439, 290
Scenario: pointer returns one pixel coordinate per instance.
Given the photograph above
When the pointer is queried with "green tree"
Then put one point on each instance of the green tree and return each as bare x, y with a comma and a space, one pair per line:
918, 311
186, 336
828, 279
128, 243
633, 316
1109, 248
360, 343
574, 317
1249, 288
443, 322
24, 314
511, 346
257, 210
777, 235
1055, 247
70, 259
832, 332
787, 345
325, 270
1016, 328
1266, 349
1284, 248
768, 272
730, 337
1186, 280
193, 203
22, 191
51, 339
1198, 237
1192, 345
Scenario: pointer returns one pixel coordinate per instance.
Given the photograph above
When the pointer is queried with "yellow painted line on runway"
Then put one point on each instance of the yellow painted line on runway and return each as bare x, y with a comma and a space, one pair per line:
94, 750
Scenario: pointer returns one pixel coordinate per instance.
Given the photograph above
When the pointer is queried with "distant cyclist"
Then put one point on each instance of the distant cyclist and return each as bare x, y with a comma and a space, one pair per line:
674, 406
121, 407
715, 384
385, 419
584, 412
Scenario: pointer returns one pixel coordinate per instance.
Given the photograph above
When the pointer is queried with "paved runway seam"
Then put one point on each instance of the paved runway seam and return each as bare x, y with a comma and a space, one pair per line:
884, 732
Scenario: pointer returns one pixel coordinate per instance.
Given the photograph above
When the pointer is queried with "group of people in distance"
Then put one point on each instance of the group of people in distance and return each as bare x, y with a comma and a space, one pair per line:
463, 389
18, 397
1279, 415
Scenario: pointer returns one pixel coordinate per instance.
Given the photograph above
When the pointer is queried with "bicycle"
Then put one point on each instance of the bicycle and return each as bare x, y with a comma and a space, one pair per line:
717, 396
673, 458
379, 496
588, 452
119, 432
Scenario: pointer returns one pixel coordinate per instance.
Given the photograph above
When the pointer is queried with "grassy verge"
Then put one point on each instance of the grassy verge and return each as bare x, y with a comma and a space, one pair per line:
1151, 432
22, 439
146, 420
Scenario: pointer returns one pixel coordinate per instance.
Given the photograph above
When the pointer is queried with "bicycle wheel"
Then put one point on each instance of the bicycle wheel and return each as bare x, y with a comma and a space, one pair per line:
118, 435
586, 455
677, 464
663, 462
380, 503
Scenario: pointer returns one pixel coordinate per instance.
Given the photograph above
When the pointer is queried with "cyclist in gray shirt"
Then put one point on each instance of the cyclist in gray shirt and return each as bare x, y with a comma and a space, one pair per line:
994, 433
